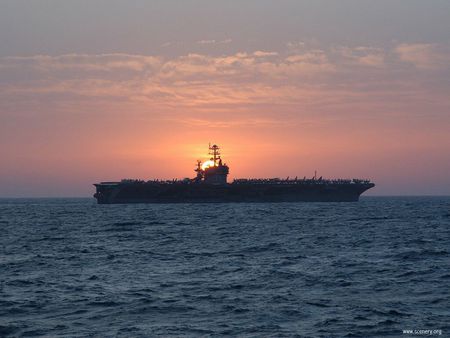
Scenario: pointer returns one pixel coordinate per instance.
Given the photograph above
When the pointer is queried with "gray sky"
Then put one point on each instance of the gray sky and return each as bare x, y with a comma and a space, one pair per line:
148, 27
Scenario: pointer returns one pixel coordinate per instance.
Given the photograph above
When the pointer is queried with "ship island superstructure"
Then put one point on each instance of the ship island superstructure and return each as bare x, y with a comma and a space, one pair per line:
210, 186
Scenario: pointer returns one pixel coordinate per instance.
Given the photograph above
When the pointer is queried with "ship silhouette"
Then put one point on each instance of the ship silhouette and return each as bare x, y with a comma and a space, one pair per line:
210, 186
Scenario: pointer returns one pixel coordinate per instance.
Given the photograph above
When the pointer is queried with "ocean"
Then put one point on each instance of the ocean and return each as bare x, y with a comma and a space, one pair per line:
72, 268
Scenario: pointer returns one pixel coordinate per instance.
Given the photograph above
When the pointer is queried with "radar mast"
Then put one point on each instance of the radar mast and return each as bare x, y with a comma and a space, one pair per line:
214, 151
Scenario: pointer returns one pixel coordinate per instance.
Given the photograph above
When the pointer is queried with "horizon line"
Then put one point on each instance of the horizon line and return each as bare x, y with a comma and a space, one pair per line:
89, 197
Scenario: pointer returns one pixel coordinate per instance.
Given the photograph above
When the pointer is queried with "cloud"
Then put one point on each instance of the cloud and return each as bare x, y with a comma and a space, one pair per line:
296, 44
424, 56
374, 60
214, 42
232, 123
84, 62
206, 42
244, 67
203, 82
362, 55
260, 53
314, 57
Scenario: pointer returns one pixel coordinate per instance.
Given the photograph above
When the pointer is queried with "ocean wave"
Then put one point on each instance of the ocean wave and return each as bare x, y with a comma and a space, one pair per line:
365, 269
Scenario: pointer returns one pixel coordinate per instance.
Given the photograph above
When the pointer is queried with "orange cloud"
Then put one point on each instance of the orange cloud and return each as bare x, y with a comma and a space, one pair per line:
205, 81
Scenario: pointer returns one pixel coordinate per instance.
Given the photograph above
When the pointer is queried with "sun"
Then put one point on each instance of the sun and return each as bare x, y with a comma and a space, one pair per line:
207, 164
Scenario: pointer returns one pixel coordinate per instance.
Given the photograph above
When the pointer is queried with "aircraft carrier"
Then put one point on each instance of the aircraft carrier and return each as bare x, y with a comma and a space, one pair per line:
210, 186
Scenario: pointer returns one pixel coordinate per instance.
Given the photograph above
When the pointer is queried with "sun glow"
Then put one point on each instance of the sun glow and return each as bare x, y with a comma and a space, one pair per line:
207, 164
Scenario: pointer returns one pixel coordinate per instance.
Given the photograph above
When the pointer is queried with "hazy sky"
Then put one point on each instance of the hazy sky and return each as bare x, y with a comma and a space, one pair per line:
102, 90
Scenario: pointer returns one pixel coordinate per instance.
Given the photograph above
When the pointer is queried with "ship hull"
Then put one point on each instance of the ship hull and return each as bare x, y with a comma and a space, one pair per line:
141, 192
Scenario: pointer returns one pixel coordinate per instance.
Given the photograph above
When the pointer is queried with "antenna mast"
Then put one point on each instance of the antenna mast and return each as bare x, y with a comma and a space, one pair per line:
214, 150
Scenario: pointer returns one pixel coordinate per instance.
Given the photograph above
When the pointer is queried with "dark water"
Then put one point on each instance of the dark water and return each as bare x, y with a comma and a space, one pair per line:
71, 268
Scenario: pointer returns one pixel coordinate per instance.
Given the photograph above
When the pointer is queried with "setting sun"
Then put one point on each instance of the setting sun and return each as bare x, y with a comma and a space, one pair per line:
207, 164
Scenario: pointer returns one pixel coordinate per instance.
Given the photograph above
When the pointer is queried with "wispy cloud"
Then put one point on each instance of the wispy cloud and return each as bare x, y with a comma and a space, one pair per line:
362, 55
84, 62
232, 123
214, 42
199, 81
261, 53
424, 56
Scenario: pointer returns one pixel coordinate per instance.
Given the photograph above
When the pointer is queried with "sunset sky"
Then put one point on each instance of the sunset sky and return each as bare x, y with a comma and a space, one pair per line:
98, 90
